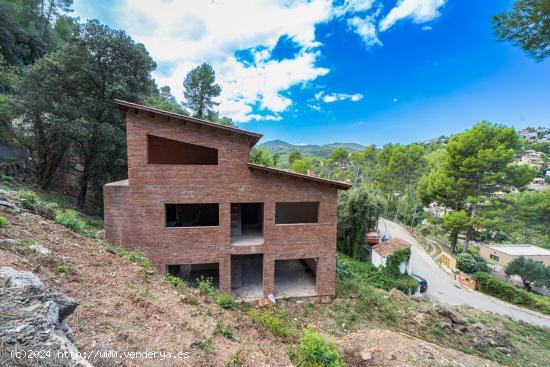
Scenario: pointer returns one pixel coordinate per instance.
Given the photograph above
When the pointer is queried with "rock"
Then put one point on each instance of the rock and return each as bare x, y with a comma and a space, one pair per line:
397, 293
447, 327
421, 298
427, 308
42, 250
32, 316
100, 234
366, 355
446, 311
10, 206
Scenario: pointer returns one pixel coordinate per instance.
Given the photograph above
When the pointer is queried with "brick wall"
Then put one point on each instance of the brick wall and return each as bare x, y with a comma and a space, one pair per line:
135, 214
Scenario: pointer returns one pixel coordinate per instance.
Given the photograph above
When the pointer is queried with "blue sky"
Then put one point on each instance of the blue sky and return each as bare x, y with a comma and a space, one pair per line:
370, 72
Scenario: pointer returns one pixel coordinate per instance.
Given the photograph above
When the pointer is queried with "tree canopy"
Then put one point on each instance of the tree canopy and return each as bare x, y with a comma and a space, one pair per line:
526, 26
200, 89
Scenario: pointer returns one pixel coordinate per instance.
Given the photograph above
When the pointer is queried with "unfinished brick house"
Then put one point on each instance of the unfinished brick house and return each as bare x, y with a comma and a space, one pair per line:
196, 207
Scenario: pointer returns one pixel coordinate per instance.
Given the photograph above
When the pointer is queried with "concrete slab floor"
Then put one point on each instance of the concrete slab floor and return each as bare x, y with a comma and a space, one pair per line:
252, 238
293, 279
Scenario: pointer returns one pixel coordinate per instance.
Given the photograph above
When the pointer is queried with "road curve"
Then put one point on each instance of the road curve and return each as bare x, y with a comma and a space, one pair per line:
441, 285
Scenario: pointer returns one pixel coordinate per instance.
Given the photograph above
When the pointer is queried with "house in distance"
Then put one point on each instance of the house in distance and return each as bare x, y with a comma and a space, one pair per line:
196, 207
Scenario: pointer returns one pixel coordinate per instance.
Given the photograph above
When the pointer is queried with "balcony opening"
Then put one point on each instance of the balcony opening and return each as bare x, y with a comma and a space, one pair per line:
192, 215
247, 276
295, 277
168, 151
196, 273
247, 224
296, 213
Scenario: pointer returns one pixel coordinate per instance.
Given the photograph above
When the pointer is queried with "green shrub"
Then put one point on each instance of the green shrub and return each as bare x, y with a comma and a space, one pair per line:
225, 300
205, 287
62, 270
176, 282
343, 270
47, 208
28, 199
470, 263
3, 221
277, 321
70, 219
405, 283
316, 351
510, 293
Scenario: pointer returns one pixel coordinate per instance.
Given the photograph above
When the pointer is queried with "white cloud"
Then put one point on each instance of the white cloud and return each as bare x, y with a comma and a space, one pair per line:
315, 107
186, 33
419, 10
427, 28
352, 6
366, 29
395, 100
333, 97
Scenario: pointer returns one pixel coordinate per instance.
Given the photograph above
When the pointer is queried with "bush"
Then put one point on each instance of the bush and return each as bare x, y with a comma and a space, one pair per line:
62, 270
314, 351
510, 293
205, 287
277, 321
343, 270
28, 199
225, 300
70, 219
3, 221
470, 264
406, 283
176, 282
47, 208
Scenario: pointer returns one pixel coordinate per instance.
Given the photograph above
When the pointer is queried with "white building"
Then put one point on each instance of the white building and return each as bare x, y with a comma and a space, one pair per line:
383, 250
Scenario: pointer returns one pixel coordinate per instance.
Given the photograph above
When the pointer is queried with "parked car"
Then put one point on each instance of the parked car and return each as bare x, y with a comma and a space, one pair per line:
423, 283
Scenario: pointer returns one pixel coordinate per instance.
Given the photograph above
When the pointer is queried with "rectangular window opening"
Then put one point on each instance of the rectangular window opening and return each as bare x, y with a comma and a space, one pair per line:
192, 215
295, 213
494, 257
168, 151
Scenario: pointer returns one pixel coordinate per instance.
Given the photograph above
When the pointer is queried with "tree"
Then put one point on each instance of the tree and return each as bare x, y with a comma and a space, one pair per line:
164, 100
526, 26
530, 271
66, 100
523, 216
302, 165
399, 169
261, 156
470, 263
293, 156
358, 213
477, 163
340, 157
200, 89
455, 222
276, 158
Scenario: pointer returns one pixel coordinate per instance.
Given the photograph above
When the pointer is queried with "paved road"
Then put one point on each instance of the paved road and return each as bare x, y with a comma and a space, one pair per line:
441, 285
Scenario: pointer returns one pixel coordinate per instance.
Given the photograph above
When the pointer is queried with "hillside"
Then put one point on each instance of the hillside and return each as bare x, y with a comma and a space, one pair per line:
125, 305
322, 151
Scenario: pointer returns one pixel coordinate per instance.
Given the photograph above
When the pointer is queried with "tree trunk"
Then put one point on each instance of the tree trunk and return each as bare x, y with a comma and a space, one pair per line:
454, 239
83, 184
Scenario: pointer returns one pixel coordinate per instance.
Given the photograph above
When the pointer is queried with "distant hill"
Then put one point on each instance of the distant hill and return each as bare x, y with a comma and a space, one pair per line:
282, 147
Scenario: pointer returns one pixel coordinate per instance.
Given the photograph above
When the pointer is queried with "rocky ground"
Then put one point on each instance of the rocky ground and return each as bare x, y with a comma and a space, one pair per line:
125, 307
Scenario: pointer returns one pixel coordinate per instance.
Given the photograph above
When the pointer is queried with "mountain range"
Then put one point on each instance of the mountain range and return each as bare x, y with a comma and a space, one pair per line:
282, 147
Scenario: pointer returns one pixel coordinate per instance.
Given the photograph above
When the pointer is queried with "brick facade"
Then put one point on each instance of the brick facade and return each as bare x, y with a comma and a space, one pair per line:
135, 213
